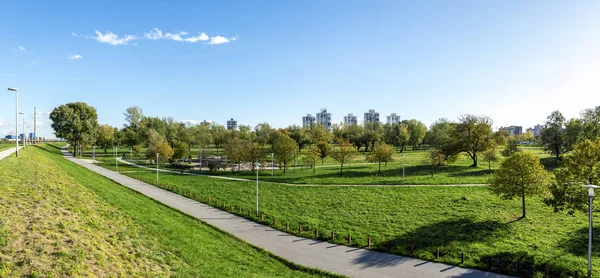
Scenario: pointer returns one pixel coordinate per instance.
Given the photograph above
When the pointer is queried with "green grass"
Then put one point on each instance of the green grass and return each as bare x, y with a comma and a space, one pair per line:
454, 219
59, 219
6, 146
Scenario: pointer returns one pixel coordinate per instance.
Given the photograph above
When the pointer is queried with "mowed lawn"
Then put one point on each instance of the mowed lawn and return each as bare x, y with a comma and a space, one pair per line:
58, 219
453, 219
6, 146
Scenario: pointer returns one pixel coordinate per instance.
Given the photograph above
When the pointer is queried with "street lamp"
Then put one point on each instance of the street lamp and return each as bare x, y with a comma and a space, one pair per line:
590, 188
256, 164
16, 119
272, 164
156, 168
94, 154
116, 161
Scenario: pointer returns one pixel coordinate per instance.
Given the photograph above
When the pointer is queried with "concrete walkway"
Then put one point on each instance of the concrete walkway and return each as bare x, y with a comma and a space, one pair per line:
283, 183
334, 258
6, 153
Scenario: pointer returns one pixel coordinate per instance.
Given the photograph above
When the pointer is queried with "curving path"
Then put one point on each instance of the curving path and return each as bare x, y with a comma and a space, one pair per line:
8, 152
283, 183
334, 258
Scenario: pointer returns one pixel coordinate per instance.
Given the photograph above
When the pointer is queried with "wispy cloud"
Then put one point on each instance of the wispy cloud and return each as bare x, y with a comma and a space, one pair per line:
22, 49
113, 39
75, 56
218, 40
157, 34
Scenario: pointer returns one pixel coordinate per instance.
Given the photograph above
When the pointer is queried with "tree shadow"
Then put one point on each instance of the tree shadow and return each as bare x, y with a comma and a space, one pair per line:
447, 235
549, 163
518, 263
577, 244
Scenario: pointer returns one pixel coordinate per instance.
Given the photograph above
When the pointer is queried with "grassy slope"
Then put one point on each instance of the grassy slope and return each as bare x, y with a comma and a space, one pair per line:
453, 219
6, 146
59, 219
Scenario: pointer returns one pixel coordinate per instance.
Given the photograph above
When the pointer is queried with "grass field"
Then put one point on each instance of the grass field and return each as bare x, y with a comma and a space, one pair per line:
6, 146
59, 219
454, 219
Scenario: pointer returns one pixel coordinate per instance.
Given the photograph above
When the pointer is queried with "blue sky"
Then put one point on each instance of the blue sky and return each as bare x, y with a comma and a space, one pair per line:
275, 61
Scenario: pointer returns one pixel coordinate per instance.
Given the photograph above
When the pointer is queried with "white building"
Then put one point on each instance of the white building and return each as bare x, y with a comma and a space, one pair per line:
308, 121
536, 130
324, 118
350, 120
393, 119
371, 116
206, 122
231, 124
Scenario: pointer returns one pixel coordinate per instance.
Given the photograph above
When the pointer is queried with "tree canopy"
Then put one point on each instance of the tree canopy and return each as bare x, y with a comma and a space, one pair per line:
76, 122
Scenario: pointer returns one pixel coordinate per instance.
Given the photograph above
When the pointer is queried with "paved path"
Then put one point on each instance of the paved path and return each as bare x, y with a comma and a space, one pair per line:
283, 183
8, 152
334, 258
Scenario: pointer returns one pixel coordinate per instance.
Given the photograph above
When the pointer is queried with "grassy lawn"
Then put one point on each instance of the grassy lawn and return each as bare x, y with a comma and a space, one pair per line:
59, 219
454, 219
6, 146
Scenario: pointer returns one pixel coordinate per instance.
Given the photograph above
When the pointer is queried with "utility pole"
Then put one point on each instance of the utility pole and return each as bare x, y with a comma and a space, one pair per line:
34, 125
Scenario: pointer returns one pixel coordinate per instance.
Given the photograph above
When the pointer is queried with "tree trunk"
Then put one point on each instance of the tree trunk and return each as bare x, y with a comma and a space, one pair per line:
284, 168
342, 169
314, 167
523, 197
474, 157
379, 171
490, 165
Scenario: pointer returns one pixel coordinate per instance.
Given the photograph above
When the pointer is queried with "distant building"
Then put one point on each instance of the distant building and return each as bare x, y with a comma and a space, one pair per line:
350, 120
231, 124
513, 129
371, 116
324, 118
536, 130
393, 119
308, 121
206, 122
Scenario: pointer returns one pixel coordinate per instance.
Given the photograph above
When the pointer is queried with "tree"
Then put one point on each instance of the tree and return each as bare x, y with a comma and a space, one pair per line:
262, 133
133, 131
325, 149
157, 144
553, 135
511, 146
234, 149
519, 175
397, 135
581, 166
252, 152
417, 132
528, 136
355, 134
344, 152
573, 133
373, 133
218, 135
382, 152
437, 159
106, 137
285, 149
490, 156
180, 149
590, 119
472, 135
76, 122
313, 154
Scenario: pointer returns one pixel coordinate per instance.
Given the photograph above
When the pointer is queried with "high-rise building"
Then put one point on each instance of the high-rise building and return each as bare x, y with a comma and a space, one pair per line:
350, 120
513, 129
231, 124
206, 122
308, 121
371, 116
324, 118
536, 130
393, 119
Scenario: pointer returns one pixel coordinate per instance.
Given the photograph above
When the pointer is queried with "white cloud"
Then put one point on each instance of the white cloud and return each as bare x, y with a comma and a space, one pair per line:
22, 49
75, 56
190, 122
74, 34
218, 40
201, 37
155, 34
113, 39
175, 36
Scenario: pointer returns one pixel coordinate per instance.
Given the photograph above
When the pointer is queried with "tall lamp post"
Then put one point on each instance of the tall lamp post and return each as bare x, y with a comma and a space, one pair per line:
590, 188
157, 168
94, 154
402, 166
256, 164
23, 129
16, 119
116, 161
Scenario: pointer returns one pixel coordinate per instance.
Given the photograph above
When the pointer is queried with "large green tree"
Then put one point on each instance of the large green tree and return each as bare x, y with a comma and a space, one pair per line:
76, 122
520, 175
106, 137
553, 135
417, 132
344, 152
382, 152
285, 149
581, 166
472, 135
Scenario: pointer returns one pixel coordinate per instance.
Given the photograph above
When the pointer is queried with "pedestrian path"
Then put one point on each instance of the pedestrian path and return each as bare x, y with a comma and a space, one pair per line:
6, 153
350, 261
282, 183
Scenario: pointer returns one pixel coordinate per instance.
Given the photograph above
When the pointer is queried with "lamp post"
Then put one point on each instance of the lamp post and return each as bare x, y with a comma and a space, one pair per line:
272, 164
157, 168
131, 154
590, 188
256, 164
94, 154
116, 161
16, 119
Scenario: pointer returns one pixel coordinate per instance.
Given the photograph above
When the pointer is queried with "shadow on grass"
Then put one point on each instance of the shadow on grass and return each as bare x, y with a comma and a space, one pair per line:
51, 148
448, 235
519, 263
577, 244
549, 163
